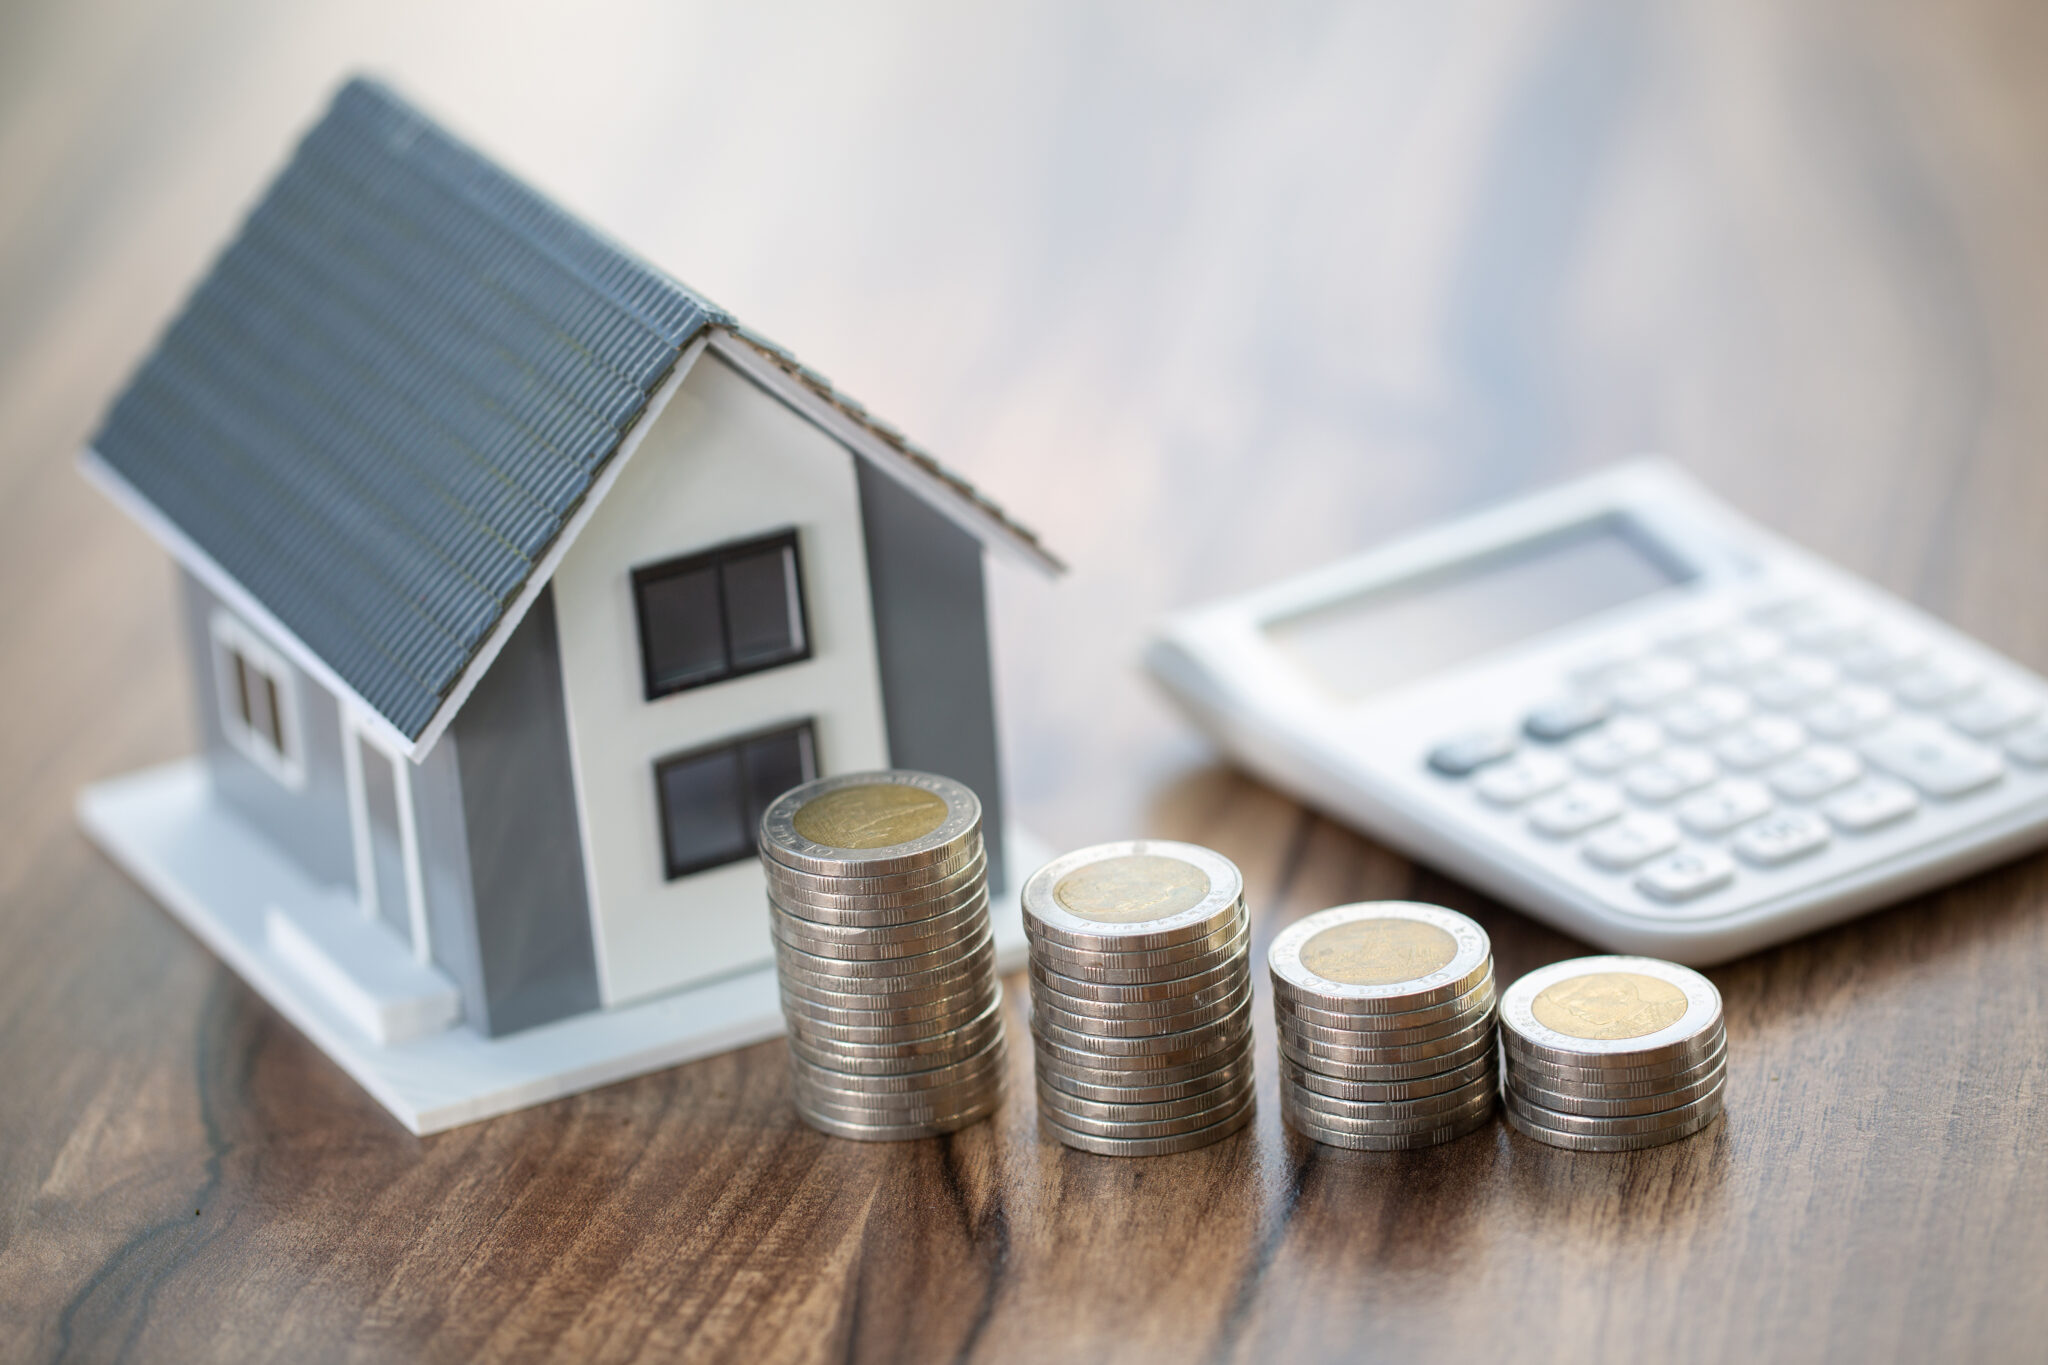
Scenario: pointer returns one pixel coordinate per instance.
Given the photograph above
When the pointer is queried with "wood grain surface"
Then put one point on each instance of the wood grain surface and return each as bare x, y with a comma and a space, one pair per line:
1207, 295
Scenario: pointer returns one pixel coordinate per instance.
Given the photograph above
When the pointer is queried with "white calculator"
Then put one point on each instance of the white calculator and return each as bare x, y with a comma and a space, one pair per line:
1624, 709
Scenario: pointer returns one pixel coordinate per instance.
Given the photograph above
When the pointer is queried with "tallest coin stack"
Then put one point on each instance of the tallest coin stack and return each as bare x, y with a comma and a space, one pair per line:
878, 898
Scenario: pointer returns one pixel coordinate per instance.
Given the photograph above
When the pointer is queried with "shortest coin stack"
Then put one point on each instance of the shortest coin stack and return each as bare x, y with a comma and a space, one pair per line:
1385, 1011
1141, 997
878, 899
1612, 1054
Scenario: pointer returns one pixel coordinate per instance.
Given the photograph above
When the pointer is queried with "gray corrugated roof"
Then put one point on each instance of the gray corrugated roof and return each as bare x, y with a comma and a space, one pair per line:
390, 393
394, 388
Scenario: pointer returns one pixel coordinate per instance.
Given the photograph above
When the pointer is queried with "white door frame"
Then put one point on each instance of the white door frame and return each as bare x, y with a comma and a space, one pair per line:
354, 735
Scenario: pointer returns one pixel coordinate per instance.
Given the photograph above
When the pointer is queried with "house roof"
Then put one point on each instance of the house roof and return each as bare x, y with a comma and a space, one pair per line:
396, 389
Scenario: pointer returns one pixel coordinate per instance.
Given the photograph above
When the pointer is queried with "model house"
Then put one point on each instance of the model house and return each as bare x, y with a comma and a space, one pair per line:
517, 579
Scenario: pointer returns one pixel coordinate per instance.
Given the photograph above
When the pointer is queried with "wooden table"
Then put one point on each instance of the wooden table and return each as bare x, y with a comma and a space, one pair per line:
1207, 301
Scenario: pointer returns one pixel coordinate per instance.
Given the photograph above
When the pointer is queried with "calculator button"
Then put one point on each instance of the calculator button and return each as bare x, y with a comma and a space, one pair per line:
1567, 716
1781, 837
1721, 807
1881, 653
1734, 652
1593, 668
2030, 746
1686, 874
1670, 775
1792, 681
1617, 744
1631, 840
1938, 683
1575, 809
1703, 711
1464, 754
1993, 711
1871, 804
1827, 630
1815, 773
1645, 683
1762, 740
1522, 778
1936, 761
1693, 628
1847, 711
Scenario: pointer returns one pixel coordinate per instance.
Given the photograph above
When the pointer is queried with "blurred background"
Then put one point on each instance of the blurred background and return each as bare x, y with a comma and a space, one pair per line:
1205, 294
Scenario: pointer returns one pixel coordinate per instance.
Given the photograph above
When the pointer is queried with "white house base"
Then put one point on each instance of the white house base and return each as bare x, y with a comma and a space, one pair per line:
226, 883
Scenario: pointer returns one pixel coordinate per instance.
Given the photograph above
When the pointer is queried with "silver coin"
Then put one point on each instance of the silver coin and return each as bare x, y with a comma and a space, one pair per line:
1226, 985
1301, 1041
838, 923
897, 1060
859, 809
903, 1132
1606, 1142
881, 1011
829, 968
1379, 957
903, 1106
1133, 895
1192, 1041
838, 1021
1095, 1026
1447, 1102
824, 1032
851, 894
1230, 1102
1382, 1039
1388, 1142
978, 1025
1609, 1125
1073, 1070
976, 1073
962, 960
1388, 1072
1383, 1092
1145, 992
928, 936
1577, 1086
933, 880
991, 1055
1230, 956
802, 933
1469, 1005
1166, 1146
890, 908
1613, 1108
1692, 1056
1155, 1111
1181, 959
1214, 1078
1610, 1011
1480, 1103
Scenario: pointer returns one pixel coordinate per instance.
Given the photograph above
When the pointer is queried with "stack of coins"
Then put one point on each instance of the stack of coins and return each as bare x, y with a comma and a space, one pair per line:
878, 898
1386, 1014
1612, 1054
1141, 997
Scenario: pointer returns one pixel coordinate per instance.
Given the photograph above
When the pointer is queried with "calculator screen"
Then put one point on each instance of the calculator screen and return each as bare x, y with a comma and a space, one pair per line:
1402, 631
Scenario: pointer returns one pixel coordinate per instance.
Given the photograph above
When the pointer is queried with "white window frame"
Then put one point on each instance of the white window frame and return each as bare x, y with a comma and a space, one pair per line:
232, 639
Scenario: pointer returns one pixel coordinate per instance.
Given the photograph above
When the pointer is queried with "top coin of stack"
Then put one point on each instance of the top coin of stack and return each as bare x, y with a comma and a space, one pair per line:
1141, 997
878, 899
1385, 1011
1611, 1054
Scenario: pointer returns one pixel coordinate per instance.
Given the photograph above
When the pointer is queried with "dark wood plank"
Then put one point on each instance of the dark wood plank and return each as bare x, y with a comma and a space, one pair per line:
1207, 302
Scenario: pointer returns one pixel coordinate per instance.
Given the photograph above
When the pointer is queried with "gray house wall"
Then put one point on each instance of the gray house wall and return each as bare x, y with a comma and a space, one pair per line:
530, 955
931, 637
311, 824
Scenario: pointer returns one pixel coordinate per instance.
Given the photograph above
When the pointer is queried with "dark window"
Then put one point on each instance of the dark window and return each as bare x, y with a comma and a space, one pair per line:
711, 799
736, 609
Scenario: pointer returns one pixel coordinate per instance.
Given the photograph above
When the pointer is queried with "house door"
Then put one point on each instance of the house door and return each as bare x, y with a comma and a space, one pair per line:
386, 855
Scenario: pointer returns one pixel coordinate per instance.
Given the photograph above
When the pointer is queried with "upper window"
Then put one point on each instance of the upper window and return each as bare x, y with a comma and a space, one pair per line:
712, 799
736, 609
258, 708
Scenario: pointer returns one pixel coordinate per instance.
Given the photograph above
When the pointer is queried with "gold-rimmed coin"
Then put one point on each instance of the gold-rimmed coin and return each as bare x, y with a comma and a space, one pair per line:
870, 824
1136, 895
1377, 957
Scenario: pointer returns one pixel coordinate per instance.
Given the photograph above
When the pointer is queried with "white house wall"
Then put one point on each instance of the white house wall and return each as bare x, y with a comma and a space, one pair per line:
722, 462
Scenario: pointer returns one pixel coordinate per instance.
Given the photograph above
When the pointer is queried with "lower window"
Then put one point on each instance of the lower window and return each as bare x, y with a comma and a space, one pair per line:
711, 799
